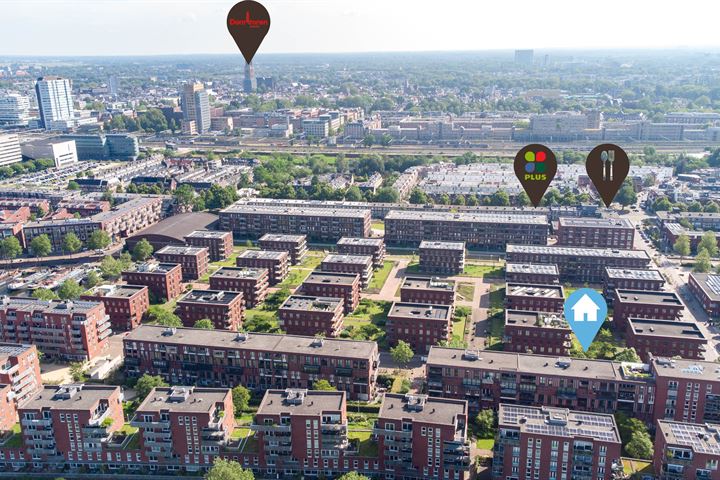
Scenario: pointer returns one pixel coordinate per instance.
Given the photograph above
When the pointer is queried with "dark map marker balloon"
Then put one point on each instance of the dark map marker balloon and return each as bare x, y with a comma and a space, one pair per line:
248, 22
535, 167
607, 165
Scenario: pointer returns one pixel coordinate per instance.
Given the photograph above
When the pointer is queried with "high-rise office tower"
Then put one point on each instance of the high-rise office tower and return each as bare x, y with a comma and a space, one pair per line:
14, 109
55, 102
524, 57
196, 106
249, 82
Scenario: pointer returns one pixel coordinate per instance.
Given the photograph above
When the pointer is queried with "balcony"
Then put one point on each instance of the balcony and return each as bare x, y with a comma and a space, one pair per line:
38, 422
150, 424
270, 428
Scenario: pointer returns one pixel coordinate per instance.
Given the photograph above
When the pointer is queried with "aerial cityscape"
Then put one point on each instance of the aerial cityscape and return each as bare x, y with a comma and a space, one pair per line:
480, 262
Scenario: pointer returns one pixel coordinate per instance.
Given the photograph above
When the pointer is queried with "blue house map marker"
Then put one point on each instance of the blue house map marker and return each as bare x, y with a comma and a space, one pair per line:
585, 312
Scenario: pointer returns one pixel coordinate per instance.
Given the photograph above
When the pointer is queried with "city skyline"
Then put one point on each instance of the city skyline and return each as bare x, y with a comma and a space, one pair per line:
380, 27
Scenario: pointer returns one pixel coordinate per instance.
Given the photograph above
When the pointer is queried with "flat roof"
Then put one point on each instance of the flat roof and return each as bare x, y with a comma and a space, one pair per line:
593, 222
334, 278
533, 290
665, 328
240, 272
685, 368
421, 408
369, 242
535, 319
536, 268
425, 283
180, 250
267, 342
634, 274
207, 234
8, 350
466, 217
70, 397
338, 258
709, 283
264, 254
300, 402
51, 306
115, 291
420, 310
700, 438
436, 245
183, 399
559, 422
310, 303
651, 297
215, 297
296, 211
156, 267
576, 251
280, 237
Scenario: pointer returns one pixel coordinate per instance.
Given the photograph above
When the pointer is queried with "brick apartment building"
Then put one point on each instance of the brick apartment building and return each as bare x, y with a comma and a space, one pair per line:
70, 423
193, 260
184, 424
72, 331
225, 309
125, 304
644, 304
258, 361
423, 437
665, 338
252, 282
686, 390
427, 290
595, 232
420, 325
445, 258
84, 208
219, 244
294, 245
534, 298
542, 442
476, 230
304, 315
686, 450
538, 273
630, 279
20, 370
535, 332
276, 263
578, 264
8, 413
337, 285
359, 264
164, 280
375, 247
320, 225
706, 288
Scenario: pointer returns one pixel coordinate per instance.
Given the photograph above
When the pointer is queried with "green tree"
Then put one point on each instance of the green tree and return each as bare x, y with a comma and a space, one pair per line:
500, 199
682, 246
323, 385
10, 248
459, 200
702, 262
387, 195
485, 421
93, 279
40, 246
241, 398
160, 316
110, 267
228, 470
99, 239
712, 207
73, 185
184, 195
77, 371
695, 207
522, 200
142, 251
419, 197
640, 446
146, 383
709, 243
626, 196
205, 324
402, 353
662, 205
71, 243
368, 140
44, 294
353, 476
70, 290
627, 355
353, 194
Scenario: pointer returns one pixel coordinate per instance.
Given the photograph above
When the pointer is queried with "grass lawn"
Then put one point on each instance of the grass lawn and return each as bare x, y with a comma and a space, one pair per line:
378, 225
312, 259
458, 327
483, 271
413, 267
248, 441
244, 419
212, 268
569, 290
15, 440
133, 443
380, 277
497, 297
631, 466
466, 291
258, 320
367, 321
363, 438
295, 277
485, 443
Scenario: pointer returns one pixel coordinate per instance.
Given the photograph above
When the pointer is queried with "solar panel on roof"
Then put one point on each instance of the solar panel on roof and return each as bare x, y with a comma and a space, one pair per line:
713, 282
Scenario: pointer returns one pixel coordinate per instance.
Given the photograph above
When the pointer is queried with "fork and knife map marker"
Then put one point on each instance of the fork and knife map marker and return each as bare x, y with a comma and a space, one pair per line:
607, 165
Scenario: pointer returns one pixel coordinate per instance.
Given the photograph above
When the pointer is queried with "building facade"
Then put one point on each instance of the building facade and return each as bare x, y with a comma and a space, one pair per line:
251, 282
446, 258
295, 245
336, 285
427, 290
219, 244
375, 247
305, 315
596, 232
535, 332
420, 325
534, 298
193, 260
536, 273
164, 280
125, 304
358, 264
225, 309
276, 263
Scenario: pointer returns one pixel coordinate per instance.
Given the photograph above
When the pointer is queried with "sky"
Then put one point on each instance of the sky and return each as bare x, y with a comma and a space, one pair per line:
159, 27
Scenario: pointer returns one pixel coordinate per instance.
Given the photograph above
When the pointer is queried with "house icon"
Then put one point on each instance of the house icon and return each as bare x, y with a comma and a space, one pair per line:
585, 310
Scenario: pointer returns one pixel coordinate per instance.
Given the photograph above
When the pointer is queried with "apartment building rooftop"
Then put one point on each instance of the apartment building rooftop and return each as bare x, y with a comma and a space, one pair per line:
300, 402
183, 399
422, 408
49, 306
264, 254
370, 242
268, 342
700, 438
8, 350
305, 212
156, 267
536, 291
534, 319
592, 222
420, 310
180, 250
577, 251
559, 422
331, 278
428, 284
665, 328
648, 297
69, 397
214, 297
280, 237
309, 303
206, 234
115, 291
538, 268
466, 217
240, 272
709, 283
687, 369
436, 245
634, 274
338, 258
